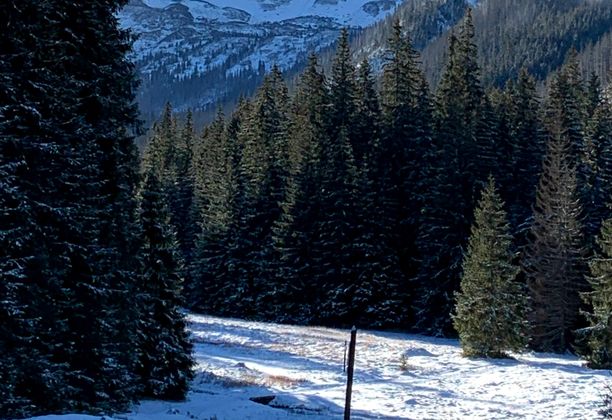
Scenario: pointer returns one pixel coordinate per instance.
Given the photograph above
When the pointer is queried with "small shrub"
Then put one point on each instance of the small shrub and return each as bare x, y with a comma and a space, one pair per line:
404, 363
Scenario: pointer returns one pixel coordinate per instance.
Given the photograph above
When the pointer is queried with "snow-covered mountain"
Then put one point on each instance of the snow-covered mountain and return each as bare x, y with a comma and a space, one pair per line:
196, 53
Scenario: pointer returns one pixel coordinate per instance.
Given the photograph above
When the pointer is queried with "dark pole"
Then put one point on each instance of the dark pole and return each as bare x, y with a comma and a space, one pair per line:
345, 347
349, 380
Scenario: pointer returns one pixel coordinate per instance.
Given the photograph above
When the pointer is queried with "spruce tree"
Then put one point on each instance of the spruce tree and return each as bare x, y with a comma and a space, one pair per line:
599, 163
213, 211
367, 126
599, 331
261, 187
554, 257
164, 349
69, 172
342, 90
527, 152
460, 157
491, 310
404, 144
335, 231
180, 201
297, 295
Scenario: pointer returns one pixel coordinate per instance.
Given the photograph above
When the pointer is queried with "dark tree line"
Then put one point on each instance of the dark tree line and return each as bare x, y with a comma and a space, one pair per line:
89, 296
352, 200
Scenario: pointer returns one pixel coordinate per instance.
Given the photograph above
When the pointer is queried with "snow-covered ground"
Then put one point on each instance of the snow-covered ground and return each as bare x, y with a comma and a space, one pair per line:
302, 367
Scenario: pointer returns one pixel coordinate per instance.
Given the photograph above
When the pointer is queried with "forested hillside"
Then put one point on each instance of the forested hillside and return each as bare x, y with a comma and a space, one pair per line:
346, 204
537, 35
509, 35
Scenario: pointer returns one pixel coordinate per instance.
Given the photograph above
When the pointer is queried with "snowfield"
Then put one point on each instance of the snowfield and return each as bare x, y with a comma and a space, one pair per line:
397, 376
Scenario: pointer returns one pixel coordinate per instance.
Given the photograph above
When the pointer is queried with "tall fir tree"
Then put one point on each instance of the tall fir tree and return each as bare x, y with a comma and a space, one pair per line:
598, 189
527, 152
294, 231
461, 142
262, 180
335, 230
69, 166
404, 144
554, 257
165, 365
491, 311
599, 332
213, 210
341, 114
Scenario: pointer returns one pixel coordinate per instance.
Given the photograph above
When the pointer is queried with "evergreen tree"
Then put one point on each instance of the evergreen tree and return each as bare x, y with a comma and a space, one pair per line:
294, 233
491, 310
405, 142
180, 201
527, 152
461, 161
335, 230
68, 164
378, 289
367, 126
566, 111
160, 150
341, 114
165, 361
213, 209
599, 163
599, 332
261, 187
554, 258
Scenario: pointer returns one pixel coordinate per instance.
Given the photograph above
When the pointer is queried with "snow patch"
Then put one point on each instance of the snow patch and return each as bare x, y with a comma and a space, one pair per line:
237, 358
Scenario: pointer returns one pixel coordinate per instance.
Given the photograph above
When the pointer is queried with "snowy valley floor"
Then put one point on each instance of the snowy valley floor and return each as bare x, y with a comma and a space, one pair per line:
302, 368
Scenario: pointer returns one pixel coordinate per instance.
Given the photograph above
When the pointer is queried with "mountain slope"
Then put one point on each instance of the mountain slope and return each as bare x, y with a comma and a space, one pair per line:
197, 53
204, 54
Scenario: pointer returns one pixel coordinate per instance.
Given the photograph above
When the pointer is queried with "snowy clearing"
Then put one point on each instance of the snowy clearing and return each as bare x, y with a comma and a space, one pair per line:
302, 367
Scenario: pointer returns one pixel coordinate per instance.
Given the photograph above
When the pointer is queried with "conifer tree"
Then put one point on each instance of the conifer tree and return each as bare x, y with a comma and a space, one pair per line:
367, 126
599, 331
165, 361
69, 172
378, 290
342, 90
160, 150
554, 257
335, 231
599, 163
261, 187
405, 142
182, 192
213, 211
566, 111
461, 142
527, 152
294, 231
491, 310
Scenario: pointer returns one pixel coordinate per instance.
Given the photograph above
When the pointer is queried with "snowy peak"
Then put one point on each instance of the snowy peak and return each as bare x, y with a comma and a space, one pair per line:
198, 53
346, 12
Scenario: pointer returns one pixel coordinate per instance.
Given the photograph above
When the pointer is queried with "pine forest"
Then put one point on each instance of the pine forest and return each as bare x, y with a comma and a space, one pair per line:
346, 195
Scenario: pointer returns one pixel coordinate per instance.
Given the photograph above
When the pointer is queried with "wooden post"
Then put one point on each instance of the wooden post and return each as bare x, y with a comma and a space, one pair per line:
349, 379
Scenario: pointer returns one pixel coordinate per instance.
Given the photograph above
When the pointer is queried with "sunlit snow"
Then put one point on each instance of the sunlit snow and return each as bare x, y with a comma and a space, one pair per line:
302, 367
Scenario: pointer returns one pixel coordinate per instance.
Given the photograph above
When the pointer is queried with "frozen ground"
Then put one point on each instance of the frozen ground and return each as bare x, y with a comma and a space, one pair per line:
302, 368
